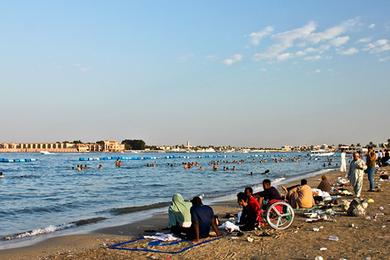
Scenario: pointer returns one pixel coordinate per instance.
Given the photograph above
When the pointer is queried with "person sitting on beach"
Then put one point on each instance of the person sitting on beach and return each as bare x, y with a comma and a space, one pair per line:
386, 158
179, 215
324, 184
300, 196
202, 218
248, 191
251, 213
269, 195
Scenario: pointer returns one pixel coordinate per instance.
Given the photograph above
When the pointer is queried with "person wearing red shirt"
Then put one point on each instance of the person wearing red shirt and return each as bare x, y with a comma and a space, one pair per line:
251, 213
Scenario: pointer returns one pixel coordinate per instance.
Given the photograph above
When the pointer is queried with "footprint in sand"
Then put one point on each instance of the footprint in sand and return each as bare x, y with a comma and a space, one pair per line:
231, 255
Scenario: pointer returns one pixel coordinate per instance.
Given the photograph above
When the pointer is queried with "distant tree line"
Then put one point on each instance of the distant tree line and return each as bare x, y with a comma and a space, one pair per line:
134, 144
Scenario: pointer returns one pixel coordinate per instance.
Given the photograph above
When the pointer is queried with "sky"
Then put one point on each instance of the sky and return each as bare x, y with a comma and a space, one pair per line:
242, 73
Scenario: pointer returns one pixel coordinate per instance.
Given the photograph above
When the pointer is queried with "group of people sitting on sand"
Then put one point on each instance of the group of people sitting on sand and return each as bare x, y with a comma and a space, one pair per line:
194, 220
255, 204
383, 157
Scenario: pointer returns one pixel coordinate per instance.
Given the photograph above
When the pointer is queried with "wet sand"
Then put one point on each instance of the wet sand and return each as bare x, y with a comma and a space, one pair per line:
368, 237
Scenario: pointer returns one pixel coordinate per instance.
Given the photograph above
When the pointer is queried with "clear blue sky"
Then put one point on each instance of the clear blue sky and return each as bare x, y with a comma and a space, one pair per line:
256, 73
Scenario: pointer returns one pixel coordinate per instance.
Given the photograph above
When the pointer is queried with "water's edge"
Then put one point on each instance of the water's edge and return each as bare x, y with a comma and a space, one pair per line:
122, 216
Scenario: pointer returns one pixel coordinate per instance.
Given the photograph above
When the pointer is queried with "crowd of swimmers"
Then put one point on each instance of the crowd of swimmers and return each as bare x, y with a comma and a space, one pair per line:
83, 167
214, 165
189, 165
80, 167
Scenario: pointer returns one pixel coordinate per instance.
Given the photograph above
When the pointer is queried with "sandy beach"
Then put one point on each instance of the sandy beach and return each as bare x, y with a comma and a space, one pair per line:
359, 237
167, 129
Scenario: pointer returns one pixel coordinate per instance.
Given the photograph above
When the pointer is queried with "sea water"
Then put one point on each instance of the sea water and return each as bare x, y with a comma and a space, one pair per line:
48, 195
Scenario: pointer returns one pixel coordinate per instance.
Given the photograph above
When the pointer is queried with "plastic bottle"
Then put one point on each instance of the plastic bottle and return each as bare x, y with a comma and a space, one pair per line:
333, 238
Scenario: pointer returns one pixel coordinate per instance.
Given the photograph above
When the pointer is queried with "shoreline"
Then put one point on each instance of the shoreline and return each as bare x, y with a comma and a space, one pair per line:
137, 214
95, 238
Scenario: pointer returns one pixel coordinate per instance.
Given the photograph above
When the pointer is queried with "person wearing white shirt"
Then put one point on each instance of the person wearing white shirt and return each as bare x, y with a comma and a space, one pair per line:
343, 166
356, 173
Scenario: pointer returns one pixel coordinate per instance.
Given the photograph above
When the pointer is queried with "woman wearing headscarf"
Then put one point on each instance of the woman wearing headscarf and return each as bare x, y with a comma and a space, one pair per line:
179, 215
324, 184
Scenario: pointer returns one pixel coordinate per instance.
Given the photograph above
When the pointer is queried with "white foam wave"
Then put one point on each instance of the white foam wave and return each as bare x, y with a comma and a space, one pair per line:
278, 180
39, 231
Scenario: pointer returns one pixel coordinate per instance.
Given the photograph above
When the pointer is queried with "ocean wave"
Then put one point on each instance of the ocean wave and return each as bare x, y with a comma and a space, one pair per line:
278, 180
88, 221
39, 209
52, 228
156, 185
127, 210
38, 231
23, 176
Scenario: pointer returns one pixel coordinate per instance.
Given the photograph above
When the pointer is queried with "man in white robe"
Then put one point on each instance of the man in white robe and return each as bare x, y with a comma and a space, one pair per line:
343, 166
356, 173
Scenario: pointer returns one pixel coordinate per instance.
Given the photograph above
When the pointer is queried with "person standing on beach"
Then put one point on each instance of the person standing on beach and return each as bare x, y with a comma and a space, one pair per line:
370, 161
356, 173
343, 166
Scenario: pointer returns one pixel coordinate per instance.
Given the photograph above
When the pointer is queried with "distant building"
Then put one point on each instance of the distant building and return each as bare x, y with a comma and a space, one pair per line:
62, 147
38, 147
90, 147
113, 146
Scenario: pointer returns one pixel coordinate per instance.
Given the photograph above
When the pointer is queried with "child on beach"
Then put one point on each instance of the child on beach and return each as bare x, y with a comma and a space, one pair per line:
251, 213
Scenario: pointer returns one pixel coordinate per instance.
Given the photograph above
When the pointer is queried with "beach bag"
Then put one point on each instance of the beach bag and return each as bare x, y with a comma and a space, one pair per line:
356, 209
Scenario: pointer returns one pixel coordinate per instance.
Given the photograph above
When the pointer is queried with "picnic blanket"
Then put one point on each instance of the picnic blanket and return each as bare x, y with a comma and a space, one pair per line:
151, 245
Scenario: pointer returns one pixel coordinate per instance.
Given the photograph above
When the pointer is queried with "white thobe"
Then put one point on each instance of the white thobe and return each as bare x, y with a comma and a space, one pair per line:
343, 166
355, 175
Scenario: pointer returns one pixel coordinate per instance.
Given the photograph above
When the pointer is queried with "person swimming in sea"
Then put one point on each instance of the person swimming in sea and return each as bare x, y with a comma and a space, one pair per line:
118, 163
1, 175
